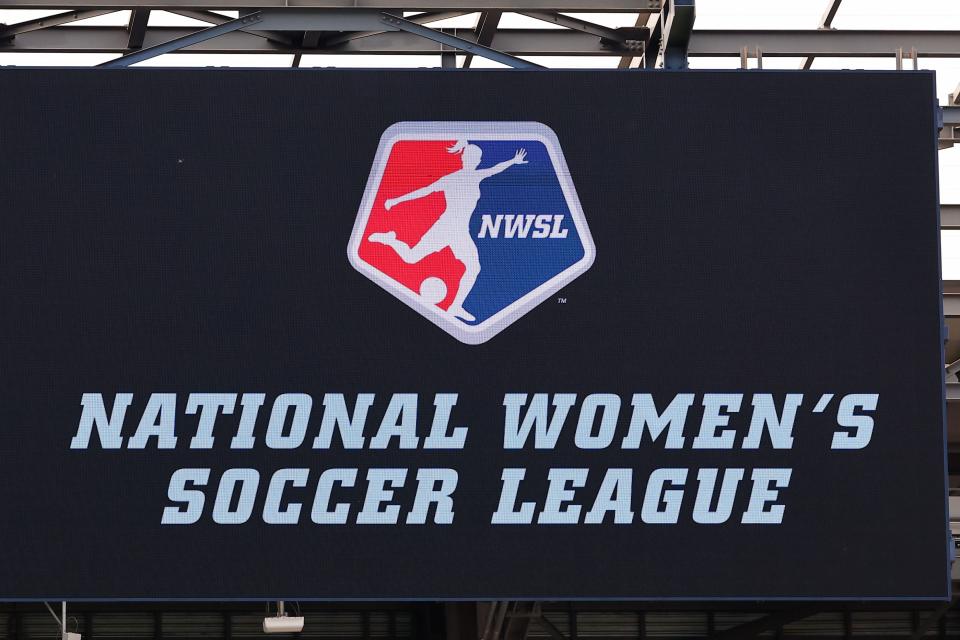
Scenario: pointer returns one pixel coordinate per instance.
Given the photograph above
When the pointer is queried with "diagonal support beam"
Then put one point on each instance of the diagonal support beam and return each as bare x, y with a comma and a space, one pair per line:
8, 31
456, 42
486, 29
826, 22
137, 29
186, 41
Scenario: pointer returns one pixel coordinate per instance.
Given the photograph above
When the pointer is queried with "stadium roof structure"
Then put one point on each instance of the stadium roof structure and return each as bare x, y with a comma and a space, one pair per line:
464, 33
650, 33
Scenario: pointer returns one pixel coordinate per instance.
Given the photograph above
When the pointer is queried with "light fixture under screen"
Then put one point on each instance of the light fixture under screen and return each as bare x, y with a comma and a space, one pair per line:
282, 623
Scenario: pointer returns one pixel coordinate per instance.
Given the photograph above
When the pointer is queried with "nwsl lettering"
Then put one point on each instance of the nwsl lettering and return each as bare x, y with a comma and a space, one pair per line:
520, 226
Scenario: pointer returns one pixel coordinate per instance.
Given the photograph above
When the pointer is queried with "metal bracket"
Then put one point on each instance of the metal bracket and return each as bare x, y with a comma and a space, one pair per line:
633, 39
910, 54
676, 25
745, 57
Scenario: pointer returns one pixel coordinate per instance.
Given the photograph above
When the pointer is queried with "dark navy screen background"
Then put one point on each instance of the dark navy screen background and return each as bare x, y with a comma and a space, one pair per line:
179, 231
512, 267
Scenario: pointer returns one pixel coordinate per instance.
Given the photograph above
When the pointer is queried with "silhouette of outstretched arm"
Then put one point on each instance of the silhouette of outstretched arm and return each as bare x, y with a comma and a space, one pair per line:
413, 195
519, 158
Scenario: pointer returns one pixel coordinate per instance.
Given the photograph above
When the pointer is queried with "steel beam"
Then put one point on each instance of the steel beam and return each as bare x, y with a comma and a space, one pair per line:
470, 47
951, 116
953, 392
306, 19
137, 28
676, 28
486, 28
518, 42
826, 43
521, 42
598, 6
950, 217
12, 30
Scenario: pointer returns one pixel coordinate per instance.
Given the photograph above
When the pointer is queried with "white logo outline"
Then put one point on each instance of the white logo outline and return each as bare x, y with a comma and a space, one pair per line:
519, 131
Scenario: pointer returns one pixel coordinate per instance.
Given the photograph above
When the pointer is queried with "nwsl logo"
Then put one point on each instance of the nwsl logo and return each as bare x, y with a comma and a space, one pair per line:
472, 224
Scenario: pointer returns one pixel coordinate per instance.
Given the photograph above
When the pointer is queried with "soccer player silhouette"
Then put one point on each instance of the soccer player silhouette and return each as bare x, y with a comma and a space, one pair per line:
461, 189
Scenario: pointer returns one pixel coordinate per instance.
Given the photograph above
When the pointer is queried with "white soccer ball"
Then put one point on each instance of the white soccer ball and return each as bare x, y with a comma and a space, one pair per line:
433, 290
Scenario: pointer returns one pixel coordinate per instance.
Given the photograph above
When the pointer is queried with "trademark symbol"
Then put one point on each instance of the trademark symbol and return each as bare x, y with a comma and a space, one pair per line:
561, 301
